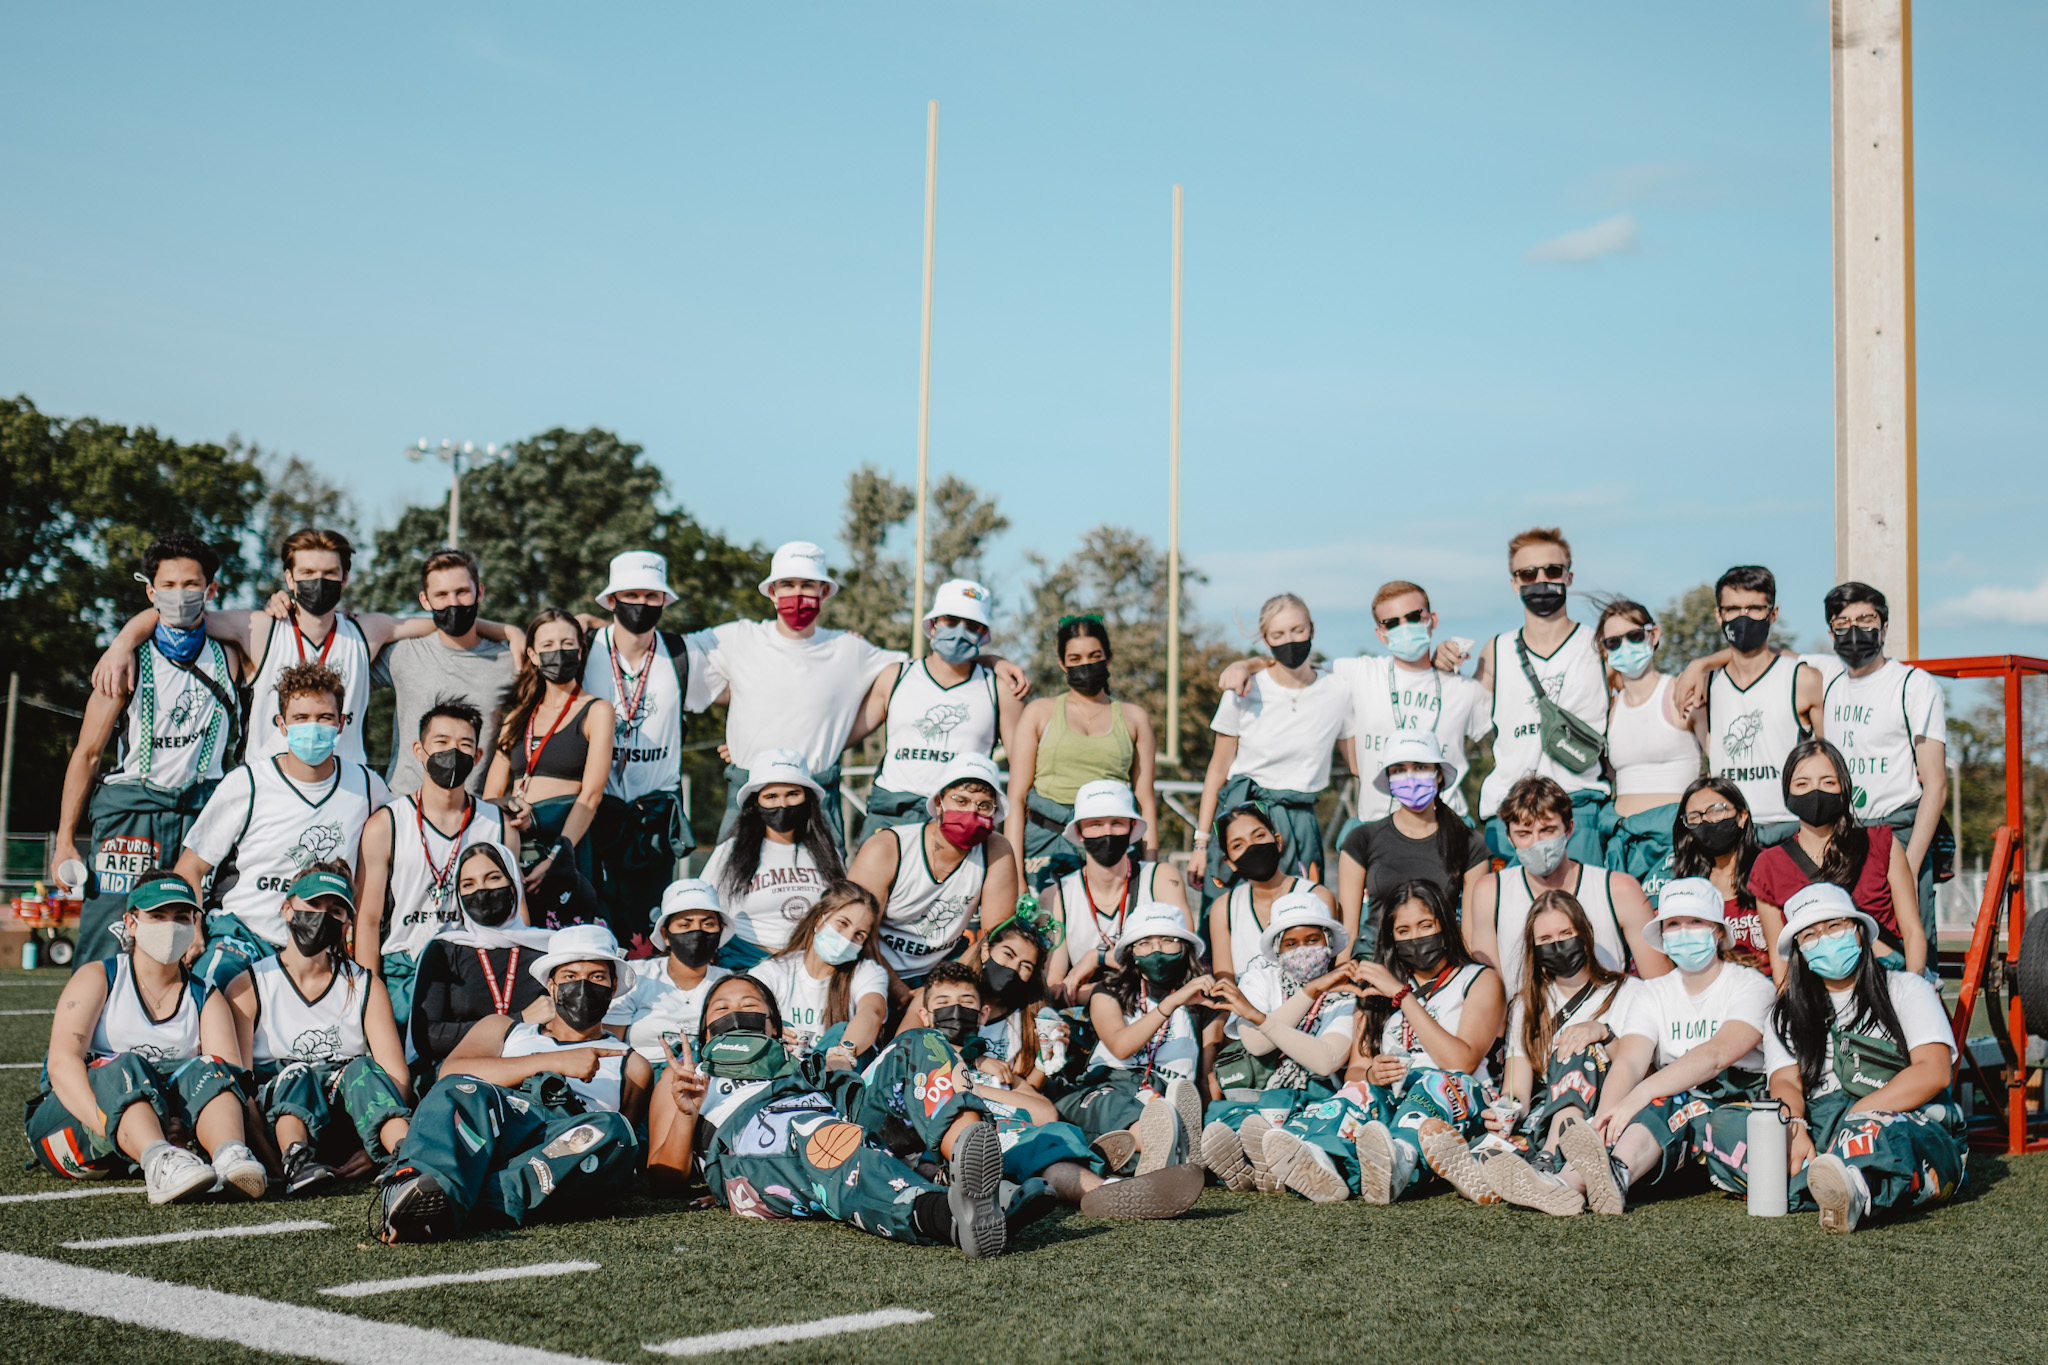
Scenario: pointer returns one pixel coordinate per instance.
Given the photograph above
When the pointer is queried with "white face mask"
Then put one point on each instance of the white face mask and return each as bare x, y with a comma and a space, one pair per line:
164, 940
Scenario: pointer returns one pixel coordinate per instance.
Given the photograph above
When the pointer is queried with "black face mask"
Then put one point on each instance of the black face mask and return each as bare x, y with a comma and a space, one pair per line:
1000, 981
581, 1003
1294, 653
1746, 633
1717, 836
1565, 957
638, 617
957, 1023
455, 619
561, 666
490, 906
1817, 808
1544, 599
313, 931
317, 596
1107, 850
740, 1021
1258, 862
786, 819
450, 768
695, 947
1088, 679
1420, 955
1858, 645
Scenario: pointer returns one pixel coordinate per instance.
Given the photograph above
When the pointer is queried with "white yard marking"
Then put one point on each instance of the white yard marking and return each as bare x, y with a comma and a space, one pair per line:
200, 1234
21, 1066
718, 1342
365, 1288
82, 1192
47, 1011
285, 1329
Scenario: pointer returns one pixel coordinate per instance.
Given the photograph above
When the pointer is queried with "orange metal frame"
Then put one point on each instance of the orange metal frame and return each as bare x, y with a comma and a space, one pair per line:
2005, 897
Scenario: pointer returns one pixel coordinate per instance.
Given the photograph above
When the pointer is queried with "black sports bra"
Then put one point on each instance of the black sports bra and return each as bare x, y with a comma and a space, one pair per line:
563, 756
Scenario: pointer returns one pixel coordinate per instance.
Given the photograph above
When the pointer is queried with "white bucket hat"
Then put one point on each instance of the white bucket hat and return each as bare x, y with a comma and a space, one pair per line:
1151, 919
580, 943
1299, 909
770, 766
1414, 746
972, 768
641, 570
799, 559
1105, 799
691, 893
964, 598
1688, 898
1813, 903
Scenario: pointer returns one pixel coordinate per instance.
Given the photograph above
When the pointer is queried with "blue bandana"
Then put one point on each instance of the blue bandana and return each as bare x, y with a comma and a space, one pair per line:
180, 646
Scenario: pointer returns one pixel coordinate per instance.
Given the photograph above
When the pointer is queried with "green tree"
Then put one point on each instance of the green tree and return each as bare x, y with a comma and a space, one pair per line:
1689, 629
963, 523
874, 590
295, 496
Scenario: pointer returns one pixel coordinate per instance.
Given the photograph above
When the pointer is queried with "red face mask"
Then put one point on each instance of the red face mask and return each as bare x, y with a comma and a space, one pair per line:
963, 829
797, 612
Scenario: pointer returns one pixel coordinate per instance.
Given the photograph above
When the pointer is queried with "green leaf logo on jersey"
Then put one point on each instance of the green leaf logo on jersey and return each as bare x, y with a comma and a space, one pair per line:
1741, 735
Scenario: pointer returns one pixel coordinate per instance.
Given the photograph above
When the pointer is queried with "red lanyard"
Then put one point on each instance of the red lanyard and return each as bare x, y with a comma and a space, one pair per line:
440, 875
628, 709
299, 637
1122, 906
1158, 1038
501, 1001
533, 751
1429, 993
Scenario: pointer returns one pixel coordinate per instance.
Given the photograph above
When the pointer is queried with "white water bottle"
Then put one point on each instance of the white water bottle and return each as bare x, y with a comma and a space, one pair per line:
1767, 1145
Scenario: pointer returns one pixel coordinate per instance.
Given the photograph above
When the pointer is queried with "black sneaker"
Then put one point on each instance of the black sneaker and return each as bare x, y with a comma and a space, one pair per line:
1547, 1161
412, 1207
977, 1171
302, 1172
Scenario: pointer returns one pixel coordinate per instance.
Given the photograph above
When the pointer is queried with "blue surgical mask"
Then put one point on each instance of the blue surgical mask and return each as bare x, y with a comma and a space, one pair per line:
834, 946
1631, 658
183, 646
1409, 640
312, 742
956, 644
1690, 950
1834, 957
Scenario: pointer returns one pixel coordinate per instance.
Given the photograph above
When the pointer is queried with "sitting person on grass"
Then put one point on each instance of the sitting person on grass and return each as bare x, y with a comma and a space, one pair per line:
473, 969
663, 997
830, 980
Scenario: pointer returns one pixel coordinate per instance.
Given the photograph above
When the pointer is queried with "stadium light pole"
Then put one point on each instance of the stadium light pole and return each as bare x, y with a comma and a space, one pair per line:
1172, 754
458, 458
924, 372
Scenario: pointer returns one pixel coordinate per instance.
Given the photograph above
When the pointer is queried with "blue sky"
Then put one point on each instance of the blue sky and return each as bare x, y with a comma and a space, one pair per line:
1450, 270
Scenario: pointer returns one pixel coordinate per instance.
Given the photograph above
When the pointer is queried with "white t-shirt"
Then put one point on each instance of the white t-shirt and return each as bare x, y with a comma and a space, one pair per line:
1874, 720
1914, 1000
1285, 735
786, 884
1678, 1021
1615, 1016
653, 1007
802, 996
1386, 697
792, 694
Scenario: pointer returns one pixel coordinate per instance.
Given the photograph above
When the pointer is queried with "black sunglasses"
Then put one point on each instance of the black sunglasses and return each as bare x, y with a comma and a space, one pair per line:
1553, 572
1408, 618
1639, 636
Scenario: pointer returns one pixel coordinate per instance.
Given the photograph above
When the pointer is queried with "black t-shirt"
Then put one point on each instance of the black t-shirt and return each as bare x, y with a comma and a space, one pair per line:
450, 992
1390, 857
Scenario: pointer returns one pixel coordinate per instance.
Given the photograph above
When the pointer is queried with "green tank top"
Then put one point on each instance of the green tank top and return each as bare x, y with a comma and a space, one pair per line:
1068, 759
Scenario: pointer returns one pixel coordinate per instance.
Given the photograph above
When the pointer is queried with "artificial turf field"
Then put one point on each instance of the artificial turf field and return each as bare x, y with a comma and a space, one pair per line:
1242, 1278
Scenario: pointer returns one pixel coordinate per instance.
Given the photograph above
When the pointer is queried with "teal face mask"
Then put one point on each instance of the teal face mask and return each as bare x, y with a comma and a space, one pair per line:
1690, 949
1631, 658
1835, 956
312, 742
1409, 640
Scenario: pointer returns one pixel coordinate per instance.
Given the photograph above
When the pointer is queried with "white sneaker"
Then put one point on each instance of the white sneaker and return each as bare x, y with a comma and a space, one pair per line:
1840, 1190
1448, 1155
1158, 1135
1377, 1160
174, 1173
235, 1166
1306, 1176
1187, 1107
1223, 1154
1251, 1135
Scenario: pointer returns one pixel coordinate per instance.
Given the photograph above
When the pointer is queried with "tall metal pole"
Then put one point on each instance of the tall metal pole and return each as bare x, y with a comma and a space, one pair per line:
1172, 754
7, 764
455, 505
924, 373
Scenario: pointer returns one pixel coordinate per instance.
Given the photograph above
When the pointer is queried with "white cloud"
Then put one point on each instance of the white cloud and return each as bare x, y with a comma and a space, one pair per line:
1608, 237
2000, 606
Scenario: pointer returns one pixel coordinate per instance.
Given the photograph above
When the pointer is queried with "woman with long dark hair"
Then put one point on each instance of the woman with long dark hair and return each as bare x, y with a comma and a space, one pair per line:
1832, 845
777, 861
1860, 1057
1423, 837
830, 978
1712, 837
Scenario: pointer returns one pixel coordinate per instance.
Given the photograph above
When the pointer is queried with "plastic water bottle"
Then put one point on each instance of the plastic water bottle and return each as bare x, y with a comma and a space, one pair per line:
1768, 1147
28, 955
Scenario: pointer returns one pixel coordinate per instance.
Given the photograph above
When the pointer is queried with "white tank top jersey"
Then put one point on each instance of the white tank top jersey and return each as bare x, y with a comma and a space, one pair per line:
260, 829
925, 916
600, 1091
175, 731
1511, 921
1246, 960
291, 1028
346, 650
1650, 754
1386, 697
1171, 1054
647, 724
930, 725
1874, 720
1446, 1005
125, 1024
785, 885
1749, 732
419, 900
1286, 735
654, 1009
1575, 680
1092, 928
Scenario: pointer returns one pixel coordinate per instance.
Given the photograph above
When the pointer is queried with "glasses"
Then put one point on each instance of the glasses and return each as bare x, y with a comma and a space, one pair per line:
1755, 612
1407, 618
1094, 616
1869, 622
1720, 810
1639, 636
1554, 572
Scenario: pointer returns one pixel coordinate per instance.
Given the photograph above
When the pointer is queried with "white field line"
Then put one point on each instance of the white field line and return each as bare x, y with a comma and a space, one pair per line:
21, 1066
365, 1288
155, 1239
284, 1329
51, 1010
718, 1342
82, 1192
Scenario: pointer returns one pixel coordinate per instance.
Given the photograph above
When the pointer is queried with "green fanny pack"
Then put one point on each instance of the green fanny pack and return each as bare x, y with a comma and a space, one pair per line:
1571, 743
1866, 1062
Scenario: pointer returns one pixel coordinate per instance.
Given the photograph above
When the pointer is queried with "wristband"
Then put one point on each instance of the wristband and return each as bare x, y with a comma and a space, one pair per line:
1402, 994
